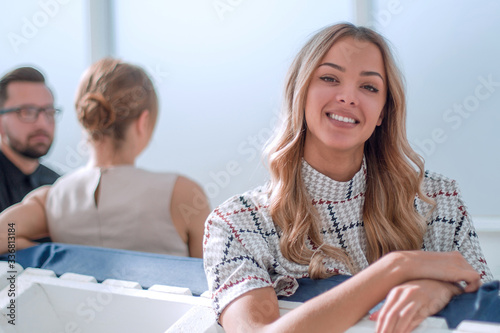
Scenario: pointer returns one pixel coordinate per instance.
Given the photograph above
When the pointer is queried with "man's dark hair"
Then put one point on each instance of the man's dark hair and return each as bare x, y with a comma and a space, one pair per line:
21, 74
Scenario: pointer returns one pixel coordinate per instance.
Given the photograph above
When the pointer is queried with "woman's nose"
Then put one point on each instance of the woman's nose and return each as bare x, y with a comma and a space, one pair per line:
347, 96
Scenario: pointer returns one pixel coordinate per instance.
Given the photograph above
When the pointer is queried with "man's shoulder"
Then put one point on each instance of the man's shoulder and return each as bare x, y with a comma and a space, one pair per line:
46, 175
5, 163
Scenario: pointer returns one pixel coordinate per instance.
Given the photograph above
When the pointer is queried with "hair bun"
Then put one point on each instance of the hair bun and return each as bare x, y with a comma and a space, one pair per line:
95, 113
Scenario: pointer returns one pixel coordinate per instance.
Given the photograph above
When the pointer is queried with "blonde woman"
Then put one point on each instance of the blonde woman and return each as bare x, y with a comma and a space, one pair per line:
347, 195
110, 202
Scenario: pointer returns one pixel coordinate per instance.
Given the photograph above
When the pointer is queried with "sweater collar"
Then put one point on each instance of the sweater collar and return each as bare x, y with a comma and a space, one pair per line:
323, 187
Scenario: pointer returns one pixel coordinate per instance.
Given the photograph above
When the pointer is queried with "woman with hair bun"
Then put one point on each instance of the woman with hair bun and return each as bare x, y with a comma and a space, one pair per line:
110, 202
347, 196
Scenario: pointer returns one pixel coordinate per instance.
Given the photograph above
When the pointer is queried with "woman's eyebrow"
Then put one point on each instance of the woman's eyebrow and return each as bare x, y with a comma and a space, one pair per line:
342, 69
372, 73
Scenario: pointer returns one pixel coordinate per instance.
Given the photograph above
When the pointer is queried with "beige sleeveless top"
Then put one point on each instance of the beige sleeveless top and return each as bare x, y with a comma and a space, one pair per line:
132, 212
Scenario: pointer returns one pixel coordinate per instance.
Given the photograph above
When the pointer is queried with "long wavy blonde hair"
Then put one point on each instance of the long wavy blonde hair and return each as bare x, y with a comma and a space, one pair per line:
394, 171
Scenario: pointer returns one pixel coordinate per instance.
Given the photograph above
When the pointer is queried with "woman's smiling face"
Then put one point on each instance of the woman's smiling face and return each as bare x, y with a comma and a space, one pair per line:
345, 99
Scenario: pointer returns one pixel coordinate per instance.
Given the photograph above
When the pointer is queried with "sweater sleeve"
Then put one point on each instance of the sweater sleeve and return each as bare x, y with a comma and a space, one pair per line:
467, 242
450, 226
230, 266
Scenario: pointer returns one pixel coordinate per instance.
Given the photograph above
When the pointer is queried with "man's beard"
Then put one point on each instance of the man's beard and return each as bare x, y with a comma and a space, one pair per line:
33, 151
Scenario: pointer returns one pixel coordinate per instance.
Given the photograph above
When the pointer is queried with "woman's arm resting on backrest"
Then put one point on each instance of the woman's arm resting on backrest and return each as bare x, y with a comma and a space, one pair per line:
341, 307
26, 220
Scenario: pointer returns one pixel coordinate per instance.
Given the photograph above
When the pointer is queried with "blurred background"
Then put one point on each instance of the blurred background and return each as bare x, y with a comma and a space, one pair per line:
219, 67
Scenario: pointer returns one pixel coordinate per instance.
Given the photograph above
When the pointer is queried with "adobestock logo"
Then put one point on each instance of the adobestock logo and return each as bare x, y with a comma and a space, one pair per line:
73, 159
31, 26
383, 17
222, 7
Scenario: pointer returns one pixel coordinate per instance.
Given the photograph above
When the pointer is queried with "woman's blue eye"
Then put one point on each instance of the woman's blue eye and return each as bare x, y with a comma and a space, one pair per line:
370, 88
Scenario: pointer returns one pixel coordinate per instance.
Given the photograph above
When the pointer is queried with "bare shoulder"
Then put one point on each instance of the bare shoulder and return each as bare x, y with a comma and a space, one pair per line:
38, 195
188, 192
185, 186
189, 203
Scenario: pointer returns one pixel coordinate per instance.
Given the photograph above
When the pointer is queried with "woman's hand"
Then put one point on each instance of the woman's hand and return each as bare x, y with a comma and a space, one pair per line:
443, 266
407, 305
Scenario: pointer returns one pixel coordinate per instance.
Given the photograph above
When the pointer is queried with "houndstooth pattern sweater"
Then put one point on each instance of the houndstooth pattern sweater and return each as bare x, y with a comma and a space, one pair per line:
241, 242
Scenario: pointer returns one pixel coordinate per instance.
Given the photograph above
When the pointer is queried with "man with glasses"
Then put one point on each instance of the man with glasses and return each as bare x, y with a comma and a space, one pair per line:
27, 122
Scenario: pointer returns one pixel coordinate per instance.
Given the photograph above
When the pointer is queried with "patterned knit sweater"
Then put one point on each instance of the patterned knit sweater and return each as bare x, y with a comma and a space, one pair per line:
241, 243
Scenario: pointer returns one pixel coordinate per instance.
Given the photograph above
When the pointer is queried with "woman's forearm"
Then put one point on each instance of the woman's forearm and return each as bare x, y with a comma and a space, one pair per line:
23, 222
9, 243
12, 238
342, 306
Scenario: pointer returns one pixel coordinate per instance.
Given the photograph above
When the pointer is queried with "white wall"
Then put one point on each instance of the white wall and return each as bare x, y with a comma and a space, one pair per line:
448, 49
51, 36
220, 74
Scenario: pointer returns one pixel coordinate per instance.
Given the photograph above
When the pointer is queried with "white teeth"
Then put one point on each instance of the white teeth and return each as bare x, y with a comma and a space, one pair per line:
342, 119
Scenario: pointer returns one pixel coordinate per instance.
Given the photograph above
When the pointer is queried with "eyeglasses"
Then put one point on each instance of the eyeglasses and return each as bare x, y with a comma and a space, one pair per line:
29, 113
